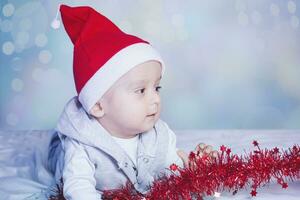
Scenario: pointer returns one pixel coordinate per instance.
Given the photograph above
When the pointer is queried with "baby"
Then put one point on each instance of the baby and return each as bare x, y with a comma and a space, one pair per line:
111, 132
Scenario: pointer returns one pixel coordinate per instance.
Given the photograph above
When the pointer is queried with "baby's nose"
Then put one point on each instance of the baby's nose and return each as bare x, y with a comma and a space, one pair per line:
155, 98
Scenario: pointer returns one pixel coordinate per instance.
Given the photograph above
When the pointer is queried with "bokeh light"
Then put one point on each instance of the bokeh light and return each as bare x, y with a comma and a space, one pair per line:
17, 64
6, 25
8, 48
243, 19
12, 119
294, 21
17, 85
45, 56
274, 9
8, 10
41, 40
25, 24
256, 17
291, 7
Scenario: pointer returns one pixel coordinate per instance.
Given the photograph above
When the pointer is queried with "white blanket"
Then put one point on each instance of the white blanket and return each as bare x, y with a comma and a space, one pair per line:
23, 154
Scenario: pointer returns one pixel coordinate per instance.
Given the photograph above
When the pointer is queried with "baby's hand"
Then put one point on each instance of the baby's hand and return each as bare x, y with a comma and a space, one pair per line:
200, 150
203, 149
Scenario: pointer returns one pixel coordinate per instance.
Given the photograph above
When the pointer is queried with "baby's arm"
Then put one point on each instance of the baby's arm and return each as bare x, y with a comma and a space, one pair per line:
178, 156
78, 173
172, 156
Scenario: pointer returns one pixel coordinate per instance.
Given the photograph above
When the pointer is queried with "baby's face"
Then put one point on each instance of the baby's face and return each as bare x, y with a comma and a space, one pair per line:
132, 104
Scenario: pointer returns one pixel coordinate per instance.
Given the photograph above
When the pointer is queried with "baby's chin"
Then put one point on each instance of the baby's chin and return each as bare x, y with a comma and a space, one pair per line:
142, 130
144, 126
149, 123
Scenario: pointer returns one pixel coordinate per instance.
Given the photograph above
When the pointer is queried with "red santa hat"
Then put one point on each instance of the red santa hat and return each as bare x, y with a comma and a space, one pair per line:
102, 52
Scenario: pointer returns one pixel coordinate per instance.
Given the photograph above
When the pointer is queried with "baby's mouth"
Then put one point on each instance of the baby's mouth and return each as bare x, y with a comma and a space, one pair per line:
152, 115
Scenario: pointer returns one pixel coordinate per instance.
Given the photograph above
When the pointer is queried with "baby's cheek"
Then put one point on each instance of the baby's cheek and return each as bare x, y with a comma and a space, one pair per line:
136, 111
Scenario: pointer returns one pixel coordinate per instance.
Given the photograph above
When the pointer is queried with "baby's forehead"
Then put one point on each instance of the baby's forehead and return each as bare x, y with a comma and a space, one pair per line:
131, 82
141, 74
141, 80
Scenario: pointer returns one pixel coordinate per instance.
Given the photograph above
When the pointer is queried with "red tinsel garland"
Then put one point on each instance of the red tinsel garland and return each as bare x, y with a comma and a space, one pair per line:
207, 175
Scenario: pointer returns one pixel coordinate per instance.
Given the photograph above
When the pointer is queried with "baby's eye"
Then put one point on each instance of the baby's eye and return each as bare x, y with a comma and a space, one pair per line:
141, 91
158, 88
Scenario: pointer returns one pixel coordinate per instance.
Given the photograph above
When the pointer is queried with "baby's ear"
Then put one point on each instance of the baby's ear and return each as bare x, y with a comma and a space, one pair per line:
97, 110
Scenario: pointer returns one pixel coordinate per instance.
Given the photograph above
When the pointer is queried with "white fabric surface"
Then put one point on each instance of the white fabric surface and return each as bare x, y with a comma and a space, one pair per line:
129, 145
23, 159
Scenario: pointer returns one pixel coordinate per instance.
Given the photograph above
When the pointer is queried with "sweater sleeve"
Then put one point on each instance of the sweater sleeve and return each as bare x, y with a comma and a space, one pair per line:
78, 173
172, 156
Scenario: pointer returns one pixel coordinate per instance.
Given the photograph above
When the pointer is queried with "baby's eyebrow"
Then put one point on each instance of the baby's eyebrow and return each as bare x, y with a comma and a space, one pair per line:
140, 82
137, 82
